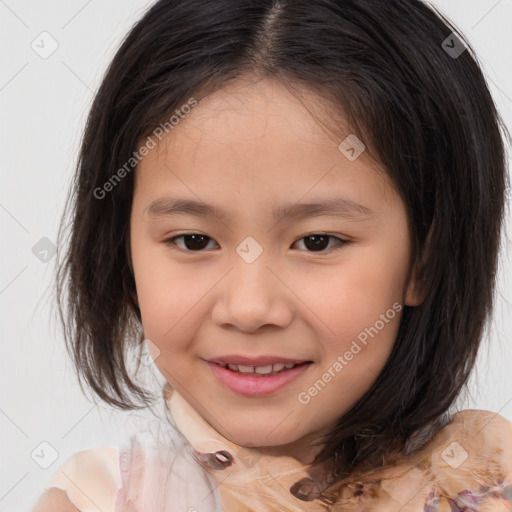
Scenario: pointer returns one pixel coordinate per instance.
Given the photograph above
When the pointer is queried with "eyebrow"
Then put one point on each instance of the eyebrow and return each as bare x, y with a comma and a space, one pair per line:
167, 207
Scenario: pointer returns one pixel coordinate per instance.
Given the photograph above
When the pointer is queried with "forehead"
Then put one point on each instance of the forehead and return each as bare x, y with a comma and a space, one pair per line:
255, 114
256, 138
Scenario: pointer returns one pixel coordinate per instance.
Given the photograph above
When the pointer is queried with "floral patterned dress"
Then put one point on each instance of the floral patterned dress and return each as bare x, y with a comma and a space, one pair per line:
466, 467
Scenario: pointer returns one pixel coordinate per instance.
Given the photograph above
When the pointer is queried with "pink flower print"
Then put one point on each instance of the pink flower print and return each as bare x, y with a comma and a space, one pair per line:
465, 501
431, 502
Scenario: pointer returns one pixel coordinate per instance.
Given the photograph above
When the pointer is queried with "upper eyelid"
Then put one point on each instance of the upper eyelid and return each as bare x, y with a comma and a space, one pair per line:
211, 238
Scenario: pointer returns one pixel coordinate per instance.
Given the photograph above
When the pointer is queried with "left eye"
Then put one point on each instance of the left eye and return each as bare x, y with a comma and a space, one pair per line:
195, 242
319, 241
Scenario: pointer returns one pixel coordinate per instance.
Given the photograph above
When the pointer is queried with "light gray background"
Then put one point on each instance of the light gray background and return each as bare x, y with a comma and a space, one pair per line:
44, 103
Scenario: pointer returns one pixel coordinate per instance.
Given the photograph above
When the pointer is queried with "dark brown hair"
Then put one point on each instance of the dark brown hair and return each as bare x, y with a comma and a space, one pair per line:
424, 114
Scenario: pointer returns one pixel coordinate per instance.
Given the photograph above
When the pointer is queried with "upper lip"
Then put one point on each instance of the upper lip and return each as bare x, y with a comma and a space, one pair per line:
255, 361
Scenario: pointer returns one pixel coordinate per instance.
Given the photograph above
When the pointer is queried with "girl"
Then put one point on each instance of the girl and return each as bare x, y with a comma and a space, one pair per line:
296, 208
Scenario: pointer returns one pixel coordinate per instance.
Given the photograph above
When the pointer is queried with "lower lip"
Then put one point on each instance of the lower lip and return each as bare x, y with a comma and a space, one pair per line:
250, 385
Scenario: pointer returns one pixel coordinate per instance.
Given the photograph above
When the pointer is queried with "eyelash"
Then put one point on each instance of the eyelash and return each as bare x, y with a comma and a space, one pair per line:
342, 242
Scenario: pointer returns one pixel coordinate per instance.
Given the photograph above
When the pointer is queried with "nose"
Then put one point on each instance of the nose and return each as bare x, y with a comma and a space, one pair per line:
253, 295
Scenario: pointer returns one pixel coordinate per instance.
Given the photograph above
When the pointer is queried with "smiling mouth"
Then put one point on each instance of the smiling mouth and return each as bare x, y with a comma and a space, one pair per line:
258, 381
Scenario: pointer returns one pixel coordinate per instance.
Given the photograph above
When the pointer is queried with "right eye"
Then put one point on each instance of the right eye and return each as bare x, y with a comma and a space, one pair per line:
194, 242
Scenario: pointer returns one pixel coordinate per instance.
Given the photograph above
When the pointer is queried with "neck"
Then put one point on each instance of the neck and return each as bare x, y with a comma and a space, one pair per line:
270, 468
303, 449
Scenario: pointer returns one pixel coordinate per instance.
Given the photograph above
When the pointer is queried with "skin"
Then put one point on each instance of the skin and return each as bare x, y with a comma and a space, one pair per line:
247, 148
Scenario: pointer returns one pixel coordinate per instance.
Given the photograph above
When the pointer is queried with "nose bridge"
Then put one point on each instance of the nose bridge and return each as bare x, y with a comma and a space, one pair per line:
252, 294
251, 272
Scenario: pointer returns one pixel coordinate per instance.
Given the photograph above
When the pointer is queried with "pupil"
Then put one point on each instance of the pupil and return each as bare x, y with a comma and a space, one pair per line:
318, 241
197, 241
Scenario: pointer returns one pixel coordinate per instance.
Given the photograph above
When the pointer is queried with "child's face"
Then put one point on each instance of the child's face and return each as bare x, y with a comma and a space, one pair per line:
247, 150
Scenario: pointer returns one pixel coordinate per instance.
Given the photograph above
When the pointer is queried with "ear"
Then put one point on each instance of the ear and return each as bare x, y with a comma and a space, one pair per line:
416, 289
135, 298
415, 292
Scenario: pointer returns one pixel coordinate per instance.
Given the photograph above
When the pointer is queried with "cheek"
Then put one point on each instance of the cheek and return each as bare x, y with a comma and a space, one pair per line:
356, 300
167, 295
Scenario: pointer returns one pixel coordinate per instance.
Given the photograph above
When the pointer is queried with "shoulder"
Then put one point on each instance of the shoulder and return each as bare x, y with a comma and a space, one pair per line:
54, 500
481, 433
88, 478
87, 466
472, 455
467, 465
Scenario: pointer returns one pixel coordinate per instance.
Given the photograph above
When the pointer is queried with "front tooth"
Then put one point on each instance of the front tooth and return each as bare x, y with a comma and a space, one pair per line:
245, 369
277, 367
233, 367
263, 369
289, 365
